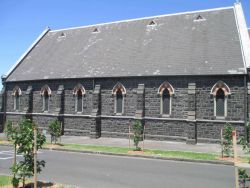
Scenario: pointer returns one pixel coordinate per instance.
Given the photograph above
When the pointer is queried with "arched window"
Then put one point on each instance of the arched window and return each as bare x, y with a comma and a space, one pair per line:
119, 92
46, 93
166, 91
165, 102
16, 94
220, 103
220, 92
46, 101
79, 92
119, 101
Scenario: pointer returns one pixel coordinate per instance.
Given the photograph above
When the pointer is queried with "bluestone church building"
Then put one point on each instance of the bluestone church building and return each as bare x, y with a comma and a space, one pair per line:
182, 75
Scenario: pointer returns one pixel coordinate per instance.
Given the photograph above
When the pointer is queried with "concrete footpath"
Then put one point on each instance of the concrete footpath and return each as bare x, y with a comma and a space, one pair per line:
148, 144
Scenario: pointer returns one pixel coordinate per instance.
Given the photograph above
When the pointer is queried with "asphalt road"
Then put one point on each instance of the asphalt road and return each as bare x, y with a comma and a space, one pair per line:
94, 171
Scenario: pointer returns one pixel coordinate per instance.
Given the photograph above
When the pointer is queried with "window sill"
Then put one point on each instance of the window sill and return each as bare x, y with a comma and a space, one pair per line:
165, 115
118, 114
220, 117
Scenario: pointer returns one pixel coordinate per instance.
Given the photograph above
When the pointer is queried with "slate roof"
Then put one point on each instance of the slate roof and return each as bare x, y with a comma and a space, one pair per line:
175, 45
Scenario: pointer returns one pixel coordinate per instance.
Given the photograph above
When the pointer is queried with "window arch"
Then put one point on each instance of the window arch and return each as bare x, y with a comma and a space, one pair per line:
119, 92
79, 92
220, 92
46, 94
17, 94
166, 91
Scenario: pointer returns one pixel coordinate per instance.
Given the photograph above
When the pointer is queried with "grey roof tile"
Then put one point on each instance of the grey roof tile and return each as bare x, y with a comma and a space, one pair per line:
174, 45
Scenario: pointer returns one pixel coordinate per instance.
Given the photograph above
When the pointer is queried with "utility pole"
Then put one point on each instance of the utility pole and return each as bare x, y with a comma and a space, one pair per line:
35, 157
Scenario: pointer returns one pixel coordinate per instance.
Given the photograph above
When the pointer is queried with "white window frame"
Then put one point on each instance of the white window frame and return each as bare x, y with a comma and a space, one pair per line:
76, 104
46, 88
225, 107
221, 85
169, 87
170, 106
44, 103
115, 107
117, 87
75, 94
15, 104
16, 91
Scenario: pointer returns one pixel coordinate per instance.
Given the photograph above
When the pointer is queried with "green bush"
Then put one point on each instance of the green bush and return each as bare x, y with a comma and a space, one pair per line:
243, 177
137, 137
227, 137
55, 130
24, 139
8, 130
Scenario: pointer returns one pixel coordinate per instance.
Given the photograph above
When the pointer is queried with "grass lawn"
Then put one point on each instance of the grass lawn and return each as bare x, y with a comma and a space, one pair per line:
4, 180
149, 152
123, 150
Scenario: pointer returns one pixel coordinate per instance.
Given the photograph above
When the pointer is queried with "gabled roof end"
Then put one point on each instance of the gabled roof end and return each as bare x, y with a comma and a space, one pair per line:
243, 33
18, 62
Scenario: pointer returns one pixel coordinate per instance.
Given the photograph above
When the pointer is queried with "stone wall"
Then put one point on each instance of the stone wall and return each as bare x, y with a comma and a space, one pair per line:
79, 126
115, 127
192, 112
165, 130
210, 131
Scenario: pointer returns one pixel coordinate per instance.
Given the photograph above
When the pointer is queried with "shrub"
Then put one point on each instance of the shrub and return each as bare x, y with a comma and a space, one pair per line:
8, 130
55, 130
227, 143
243, 177
137, 137
24, 139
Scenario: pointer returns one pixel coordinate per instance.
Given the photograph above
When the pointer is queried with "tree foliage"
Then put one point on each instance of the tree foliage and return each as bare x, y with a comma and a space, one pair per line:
137, 137
23, 137
8, 130
227, 143
55, 130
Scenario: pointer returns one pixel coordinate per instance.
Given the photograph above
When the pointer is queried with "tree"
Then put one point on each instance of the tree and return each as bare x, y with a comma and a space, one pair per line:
55, 130
137, 128
227, 143
8, 129
24, 139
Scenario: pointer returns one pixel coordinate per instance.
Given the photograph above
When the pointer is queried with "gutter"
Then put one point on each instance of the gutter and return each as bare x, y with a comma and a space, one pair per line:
19, 61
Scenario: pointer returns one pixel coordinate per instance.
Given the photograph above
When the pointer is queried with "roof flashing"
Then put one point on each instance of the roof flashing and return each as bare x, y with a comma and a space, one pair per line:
144, 18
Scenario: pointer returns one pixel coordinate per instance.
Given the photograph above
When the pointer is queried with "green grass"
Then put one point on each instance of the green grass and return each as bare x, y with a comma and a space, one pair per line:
183, 154
95, 148
5, 180
148, 152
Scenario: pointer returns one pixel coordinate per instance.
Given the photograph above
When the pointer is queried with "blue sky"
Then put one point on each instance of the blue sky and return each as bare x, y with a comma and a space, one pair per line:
21, 22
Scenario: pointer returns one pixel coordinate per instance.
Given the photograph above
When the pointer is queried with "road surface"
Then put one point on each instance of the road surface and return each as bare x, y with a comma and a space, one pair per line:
94, 171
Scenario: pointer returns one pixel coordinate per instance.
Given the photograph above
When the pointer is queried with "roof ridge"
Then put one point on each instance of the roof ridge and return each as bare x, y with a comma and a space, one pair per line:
144, 18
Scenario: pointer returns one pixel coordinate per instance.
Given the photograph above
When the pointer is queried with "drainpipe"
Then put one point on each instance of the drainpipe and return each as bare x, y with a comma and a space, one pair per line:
245, 107
93, 84
4, 98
